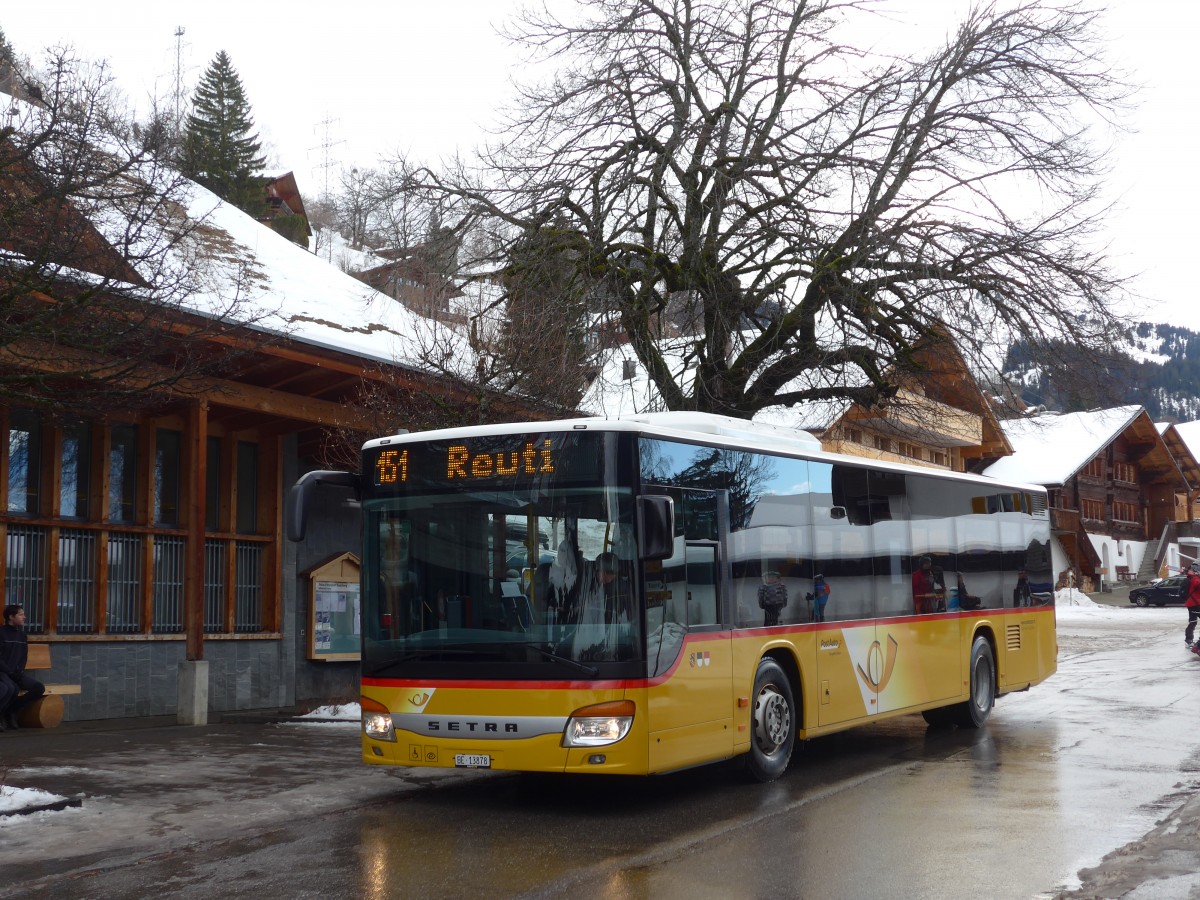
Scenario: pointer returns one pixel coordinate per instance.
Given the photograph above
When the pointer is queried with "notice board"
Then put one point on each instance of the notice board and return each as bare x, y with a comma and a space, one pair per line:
334, 609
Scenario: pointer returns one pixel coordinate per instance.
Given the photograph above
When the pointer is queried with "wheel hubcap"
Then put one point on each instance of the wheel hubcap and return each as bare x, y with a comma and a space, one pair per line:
983, 685
772, 719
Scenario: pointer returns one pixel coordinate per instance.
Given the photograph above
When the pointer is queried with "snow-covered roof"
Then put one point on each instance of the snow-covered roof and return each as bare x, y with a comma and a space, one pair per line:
306, 297
815, 415
613, 394
1050, 449
1190, 433
238, 269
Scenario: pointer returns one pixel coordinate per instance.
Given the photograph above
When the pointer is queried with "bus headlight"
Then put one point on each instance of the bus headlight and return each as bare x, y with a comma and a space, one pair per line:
595, 726
377, 720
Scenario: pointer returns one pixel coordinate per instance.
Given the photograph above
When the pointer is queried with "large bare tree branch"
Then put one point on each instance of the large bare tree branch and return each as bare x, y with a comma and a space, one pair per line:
743, 167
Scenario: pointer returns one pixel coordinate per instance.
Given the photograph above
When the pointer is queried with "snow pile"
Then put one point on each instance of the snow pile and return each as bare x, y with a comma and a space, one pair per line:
13, 799
1073, 597
343, 712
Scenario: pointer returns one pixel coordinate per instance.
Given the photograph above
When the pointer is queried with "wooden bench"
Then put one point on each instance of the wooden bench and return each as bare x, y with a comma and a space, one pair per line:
48, 711
1123, 573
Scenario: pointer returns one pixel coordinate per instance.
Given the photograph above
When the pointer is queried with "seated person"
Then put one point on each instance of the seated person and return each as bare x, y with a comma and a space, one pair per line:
965, 599
14, 654
924, 589
939, 588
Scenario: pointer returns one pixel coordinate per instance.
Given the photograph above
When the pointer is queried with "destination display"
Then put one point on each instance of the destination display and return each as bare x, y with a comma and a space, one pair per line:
491, 461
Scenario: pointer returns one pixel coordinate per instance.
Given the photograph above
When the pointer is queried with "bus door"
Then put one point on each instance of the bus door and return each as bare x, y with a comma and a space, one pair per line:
690, 704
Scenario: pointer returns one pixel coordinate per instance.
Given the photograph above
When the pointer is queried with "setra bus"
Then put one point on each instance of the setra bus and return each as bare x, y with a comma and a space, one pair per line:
603, 595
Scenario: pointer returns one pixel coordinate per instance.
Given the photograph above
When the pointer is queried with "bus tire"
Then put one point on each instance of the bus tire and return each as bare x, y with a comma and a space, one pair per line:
772, 722
974, 713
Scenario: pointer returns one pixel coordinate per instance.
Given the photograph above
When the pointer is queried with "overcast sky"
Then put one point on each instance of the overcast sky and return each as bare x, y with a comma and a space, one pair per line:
365, 79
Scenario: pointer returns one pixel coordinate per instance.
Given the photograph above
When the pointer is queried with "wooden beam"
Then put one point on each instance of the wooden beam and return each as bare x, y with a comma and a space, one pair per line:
237, 395
196, 444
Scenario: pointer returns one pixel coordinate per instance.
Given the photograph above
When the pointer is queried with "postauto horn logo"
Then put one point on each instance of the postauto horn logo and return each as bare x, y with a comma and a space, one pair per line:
879, 667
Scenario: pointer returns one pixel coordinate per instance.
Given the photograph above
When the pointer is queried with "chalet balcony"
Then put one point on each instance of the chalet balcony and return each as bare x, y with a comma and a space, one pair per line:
1064, 520
918, 418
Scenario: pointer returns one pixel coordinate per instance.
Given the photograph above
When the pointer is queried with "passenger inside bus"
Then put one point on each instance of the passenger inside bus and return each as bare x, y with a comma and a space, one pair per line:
616, 590
924, 588
562, 579
966, 600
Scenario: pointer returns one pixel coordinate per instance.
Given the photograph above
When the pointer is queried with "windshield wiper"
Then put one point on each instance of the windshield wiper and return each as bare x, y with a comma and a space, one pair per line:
491, 650
428, 652
587, 670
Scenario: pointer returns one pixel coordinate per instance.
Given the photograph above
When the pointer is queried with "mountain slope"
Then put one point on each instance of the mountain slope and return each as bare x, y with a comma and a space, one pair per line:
1156, 366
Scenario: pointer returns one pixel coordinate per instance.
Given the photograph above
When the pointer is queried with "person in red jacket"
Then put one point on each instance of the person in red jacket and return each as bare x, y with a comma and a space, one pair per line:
1193, 605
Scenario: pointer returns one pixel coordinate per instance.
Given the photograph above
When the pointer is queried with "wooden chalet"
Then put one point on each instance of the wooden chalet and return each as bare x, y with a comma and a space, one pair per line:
1115, 488
939, 417
1183, 441
283, 209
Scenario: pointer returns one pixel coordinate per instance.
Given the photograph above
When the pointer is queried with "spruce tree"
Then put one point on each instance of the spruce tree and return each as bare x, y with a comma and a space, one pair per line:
11, 82
220, 147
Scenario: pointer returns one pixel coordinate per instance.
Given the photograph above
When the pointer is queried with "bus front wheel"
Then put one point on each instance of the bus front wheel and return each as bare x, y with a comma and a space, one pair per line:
773, 720
978, 707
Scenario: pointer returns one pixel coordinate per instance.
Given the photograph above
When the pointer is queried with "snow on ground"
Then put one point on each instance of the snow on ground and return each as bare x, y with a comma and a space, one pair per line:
1076, 612
344, 712
14, 799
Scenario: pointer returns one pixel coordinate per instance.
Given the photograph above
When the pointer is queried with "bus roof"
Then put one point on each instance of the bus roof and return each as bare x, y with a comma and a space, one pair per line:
706, 428
686, 424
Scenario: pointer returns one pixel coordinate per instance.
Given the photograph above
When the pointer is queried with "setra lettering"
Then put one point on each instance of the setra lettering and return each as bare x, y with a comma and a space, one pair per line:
468, 726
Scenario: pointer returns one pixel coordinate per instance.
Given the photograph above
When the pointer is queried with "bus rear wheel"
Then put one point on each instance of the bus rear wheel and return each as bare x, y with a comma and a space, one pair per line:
974, 713
773, 723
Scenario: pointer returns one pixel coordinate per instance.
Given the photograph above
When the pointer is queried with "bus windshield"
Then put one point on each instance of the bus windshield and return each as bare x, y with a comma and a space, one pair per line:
503, 578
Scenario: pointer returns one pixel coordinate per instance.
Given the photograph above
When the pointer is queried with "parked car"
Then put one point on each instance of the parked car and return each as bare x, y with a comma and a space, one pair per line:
1161, 592
518, 558
518, 532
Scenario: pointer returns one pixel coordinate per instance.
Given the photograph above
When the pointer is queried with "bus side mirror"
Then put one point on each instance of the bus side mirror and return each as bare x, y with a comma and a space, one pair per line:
301, 497
656, 527
837, 512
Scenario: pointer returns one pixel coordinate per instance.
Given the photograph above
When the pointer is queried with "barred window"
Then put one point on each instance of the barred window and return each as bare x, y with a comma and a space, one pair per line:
96, 542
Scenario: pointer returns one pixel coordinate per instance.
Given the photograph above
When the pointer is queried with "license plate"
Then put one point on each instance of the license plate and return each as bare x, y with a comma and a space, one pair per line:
472, 761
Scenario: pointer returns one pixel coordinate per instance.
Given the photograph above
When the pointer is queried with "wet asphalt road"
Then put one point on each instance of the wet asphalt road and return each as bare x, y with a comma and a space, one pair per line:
1077, 768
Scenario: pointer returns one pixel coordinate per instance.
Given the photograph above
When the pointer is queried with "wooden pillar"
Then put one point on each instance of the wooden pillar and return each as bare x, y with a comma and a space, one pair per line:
193, 583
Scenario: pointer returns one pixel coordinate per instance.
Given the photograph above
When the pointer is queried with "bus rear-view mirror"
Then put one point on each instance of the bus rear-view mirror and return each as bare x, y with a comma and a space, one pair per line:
656, 527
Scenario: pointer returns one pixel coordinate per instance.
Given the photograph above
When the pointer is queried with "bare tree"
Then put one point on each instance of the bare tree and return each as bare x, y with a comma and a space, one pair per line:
355, 205
543, 336
110, 292
809, 209
494, 314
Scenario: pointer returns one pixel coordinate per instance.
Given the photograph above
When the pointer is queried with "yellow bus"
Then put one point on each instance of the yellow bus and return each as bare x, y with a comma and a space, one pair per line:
646, 594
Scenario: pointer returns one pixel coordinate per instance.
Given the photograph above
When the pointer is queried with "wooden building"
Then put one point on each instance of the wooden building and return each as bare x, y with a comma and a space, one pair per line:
938, 418
143, 537
1115, 489
284, 209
